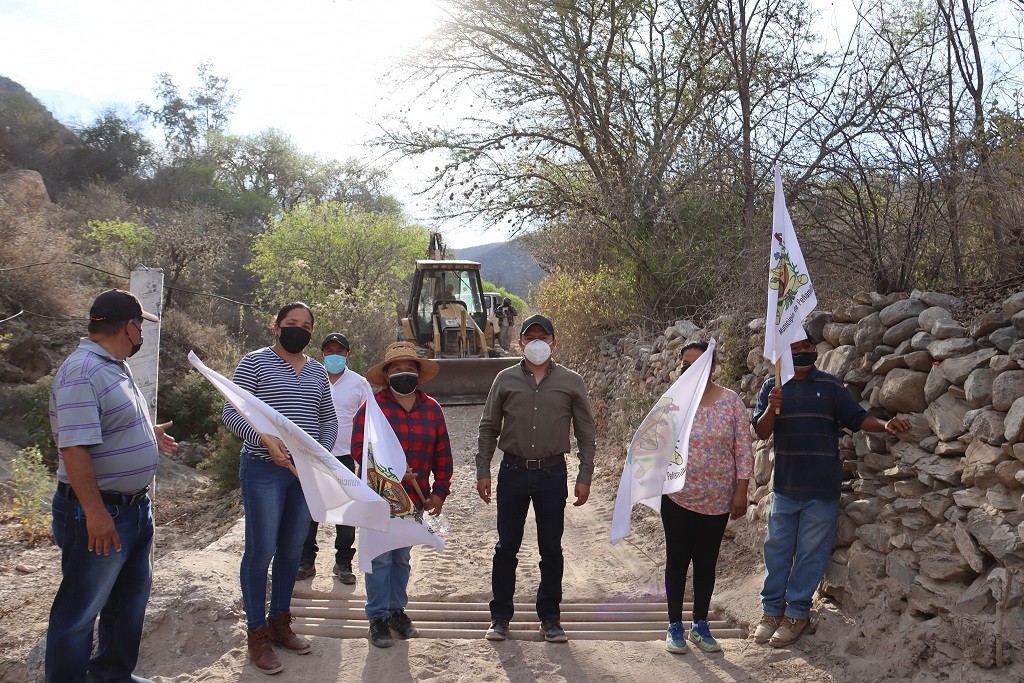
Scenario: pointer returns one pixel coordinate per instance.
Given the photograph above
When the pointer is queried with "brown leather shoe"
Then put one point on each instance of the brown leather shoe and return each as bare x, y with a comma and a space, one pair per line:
281, 634
260, 652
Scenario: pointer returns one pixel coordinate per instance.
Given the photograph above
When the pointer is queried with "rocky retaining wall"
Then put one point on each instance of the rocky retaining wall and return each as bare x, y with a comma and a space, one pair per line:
929, 546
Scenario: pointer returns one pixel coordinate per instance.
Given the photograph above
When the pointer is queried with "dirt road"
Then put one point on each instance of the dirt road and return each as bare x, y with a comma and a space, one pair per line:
195, 629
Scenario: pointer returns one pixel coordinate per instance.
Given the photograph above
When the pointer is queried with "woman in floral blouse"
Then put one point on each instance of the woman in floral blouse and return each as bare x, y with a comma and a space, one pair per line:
719, 465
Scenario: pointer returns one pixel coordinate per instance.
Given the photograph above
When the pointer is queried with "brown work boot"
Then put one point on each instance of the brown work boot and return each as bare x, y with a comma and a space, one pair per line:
260, 652
788, 632
281, 633
766, 628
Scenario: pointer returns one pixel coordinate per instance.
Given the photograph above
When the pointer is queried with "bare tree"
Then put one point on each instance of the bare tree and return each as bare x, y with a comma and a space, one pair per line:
590, 112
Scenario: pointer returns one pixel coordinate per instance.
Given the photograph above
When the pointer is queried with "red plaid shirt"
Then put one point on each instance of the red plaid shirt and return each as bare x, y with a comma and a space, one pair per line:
424, 436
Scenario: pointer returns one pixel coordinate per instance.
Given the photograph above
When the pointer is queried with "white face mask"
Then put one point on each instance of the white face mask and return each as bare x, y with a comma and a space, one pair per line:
537, 351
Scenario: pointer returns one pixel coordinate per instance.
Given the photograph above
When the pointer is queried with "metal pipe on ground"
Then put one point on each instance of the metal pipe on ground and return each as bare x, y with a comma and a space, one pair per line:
483, 615
457, 624
520, 606
334, 631
633, 621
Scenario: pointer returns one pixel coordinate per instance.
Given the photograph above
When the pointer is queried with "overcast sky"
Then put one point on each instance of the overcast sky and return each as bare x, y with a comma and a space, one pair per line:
313, 68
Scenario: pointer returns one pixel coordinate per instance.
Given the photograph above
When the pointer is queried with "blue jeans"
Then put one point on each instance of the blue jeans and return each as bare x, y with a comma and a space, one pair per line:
276, 522
548, 490
796, 553
386, 586
115, 587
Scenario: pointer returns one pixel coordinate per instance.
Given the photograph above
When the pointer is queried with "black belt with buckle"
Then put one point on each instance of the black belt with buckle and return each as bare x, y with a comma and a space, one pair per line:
538, 464
109, 497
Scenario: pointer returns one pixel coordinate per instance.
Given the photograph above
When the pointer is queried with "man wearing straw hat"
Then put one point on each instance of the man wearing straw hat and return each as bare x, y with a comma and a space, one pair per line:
419, 423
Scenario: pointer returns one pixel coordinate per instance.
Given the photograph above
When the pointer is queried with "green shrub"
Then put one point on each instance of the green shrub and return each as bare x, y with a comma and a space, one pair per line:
194, 405
584, 307
34, 401
33, 488
222, 463
733, 346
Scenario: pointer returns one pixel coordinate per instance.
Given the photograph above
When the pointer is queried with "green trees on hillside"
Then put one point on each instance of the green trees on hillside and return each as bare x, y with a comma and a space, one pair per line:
349, 264
118, 139
189, 121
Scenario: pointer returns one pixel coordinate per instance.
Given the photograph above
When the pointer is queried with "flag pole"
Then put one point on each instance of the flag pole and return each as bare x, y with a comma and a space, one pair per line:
778, 378
416, 486
272, 446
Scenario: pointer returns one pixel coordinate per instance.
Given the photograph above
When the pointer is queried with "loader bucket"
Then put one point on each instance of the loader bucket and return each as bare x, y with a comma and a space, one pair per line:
466, 381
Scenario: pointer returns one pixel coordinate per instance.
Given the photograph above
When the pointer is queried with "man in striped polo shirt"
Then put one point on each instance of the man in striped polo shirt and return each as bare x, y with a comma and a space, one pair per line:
807, 480
102, 518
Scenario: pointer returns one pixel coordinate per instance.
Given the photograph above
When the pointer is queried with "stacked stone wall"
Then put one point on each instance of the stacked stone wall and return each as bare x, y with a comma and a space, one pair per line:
929, 543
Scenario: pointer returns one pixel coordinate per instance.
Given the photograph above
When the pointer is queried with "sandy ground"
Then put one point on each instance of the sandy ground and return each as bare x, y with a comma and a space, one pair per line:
195, 626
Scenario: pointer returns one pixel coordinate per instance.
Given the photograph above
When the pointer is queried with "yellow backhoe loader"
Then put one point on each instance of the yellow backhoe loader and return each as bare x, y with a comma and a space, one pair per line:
447, 320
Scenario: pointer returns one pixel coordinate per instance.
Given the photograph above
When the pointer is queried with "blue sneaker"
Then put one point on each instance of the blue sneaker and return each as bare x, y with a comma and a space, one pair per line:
700, 635
675, 638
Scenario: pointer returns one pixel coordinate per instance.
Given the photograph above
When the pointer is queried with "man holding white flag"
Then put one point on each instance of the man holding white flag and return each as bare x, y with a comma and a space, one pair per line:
400, 439
790, 291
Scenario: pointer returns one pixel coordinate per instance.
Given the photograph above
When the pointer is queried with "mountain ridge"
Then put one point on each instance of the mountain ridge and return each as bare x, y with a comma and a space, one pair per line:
505, 264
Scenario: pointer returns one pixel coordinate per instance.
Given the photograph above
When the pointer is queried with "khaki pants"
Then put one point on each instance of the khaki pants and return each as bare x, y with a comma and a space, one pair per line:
506, 335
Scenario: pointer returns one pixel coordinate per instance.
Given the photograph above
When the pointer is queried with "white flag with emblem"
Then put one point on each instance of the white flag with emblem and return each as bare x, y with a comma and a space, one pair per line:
333, 493
790, 292
383, 467
657, 455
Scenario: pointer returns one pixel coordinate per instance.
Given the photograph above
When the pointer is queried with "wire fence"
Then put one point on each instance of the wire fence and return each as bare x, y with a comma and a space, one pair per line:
105, 272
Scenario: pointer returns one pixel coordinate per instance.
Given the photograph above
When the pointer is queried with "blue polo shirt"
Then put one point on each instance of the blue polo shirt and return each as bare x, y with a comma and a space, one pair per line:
814, 409
95, 403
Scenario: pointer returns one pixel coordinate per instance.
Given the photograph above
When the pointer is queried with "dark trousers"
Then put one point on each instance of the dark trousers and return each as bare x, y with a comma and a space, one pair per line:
114, 587
547, 490
690, 536
344, 539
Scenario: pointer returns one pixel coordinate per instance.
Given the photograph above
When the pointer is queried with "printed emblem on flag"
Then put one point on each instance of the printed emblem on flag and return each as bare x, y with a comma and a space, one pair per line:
383, 481
658, 429
786, 278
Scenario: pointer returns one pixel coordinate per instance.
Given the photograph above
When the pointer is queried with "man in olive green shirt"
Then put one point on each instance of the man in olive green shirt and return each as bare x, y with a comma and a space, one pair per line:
528, 413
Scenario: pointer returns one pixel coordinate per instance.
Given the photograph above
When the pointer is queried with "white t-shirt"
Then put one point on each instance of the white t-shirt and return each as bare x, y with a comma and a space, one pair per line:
348, 392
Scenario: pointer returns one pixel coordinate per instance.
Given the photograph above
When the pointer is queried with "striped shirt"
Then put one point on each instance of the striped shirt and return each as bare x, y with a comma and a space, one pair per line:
305, 399
807, 464
95, 403
423, 434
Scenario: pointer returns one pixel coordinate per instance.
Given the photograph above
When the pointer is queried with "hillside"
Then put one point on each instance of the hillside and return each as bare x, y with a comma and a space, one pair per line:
506, 264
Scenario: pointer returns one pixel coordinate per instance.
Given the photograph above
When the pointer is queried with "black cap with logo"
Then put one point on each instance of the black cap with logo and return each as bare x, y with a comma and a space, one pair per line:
537, 319
118, 304
336, 337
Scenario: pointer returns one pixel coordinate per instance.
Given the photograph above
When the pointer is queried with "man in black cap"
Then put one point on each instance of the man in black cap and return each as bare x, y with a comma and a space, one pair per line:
506, 320
348, 391
102, 519
528, 412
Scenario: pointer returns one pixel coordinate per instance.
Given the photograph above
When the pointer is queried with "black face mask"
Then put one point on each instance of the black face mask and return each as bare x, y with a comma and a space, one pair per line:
135, 347
404, 383
805, 359
295, 339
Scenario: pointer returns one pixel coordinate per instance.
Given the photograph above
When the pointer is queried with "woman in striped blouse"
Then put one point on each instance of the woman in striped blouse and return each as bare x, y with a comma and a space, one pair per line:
276, 516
